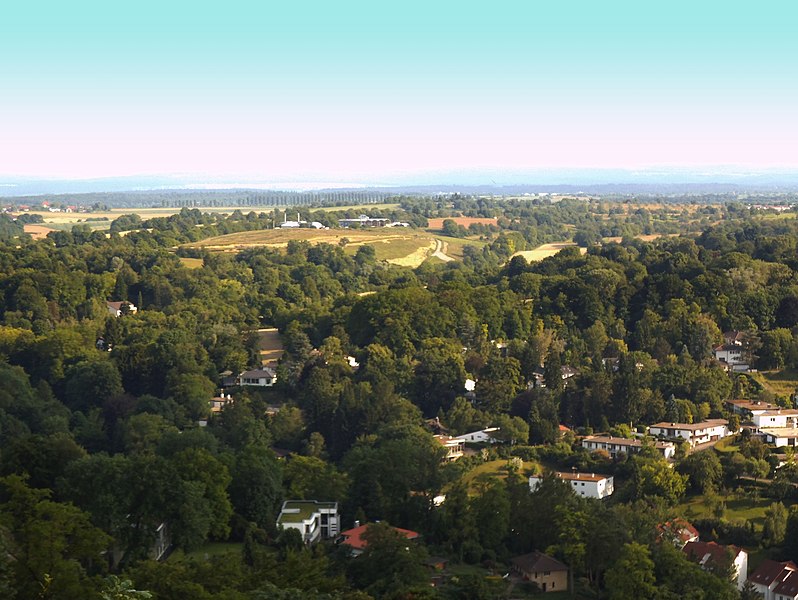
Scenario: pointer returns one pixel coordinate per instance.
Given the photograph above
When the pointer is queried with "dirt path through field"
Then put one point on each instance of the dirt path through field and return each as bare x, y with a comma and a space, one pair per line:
440, 251
416, 258
270, 346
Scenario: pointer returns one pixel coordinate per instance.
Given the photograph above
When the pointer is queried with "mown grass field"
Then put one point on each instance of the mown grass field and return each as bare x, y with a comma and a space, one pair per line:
781, 383
398, 245
454, 246
483, 474
191, 263
545, 251
738, 509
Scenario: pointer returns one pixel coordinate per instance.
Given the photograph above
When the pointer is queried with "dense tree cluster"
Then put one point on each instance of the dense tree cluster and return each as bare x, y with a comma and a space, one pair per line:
99, 414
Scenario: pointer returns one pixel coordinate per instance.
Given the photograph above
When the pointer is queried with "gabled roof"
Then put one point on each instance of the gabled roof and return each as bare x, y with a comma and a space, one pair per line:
789, 586
708, 553
258, 373
770, 571
354, 537
678, 530
787, 412
621, 441
691, 426
537, 562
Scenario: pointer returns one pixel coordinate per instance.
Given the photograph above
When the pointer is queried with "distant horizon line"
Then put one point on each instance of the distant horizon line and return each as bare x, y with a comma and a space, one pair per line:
671, 176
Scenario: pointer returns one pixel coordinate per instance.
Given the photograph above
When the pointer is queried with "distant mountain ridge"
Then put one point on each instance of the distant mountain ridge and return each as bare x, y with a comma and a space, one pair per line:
569, 181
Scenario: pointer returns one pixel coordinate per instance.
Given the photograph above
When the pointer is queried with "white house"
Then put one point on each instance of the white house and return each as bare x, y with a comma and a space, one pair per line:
776, 580
588, 485
780, 437
454, 447
264, 377
619, 445
732, 355
483, 436
749, 408
115, 309
776, 419
712, 556
313, 519
695, 433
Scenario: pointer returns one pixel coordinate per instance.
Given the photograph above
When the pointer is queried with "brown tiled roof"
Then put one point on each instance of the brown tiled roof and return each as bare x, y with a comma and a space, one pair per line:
354, 537
788, 587
580, 476
680, 529
708, 552
769, 571
620, 441
691, 426
537, 562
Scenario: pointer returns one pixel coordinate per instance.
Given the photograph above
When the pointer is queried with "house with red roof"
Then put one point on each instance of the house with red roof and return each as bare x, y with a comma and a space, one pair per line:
353, 538
678, 532
776, 580
719, 559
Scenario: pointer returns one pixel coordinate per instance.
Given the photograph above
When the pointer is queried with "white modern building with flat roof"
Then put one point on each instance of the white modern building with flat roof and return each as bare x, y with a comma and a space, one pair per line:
776, 418
313, 519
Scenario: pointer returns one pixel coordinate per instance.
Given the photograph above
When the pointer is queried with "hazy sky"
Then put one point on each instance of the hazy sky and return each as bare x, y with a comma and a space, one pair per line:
350, 91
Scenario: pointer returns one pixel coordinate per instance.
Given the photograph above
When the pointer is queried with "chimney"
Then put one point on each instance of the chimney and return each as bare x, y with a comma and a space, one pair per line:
357, 524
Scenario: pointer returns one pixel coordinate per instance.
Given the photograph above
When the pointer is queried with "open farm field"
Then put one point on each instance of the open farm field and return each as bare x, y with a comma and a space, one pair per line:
191, 263
38, 232
271, 346
363, 208
65, 220
546, 250
646, 238
401, 246
454, 246
437, 223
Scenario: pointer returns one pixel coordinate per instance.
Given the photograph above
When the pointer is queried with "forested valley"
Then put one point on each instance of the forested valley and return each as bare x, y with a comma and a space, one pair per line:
107, 431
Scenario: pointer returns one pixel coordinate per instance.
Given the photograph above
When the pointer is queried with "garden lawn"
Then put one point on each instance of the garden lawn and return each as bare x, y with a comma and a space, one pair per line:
738, 509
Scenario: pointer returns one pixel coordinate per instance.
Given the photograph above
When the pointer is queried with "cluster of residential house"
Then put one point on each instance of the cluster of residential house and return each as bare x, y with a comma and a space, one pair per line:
317, 521
775, 424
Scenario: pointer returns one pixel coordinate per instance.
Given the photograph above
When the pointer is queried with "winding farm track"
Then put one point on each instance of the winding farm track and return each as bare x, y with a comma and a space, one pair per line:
440, 251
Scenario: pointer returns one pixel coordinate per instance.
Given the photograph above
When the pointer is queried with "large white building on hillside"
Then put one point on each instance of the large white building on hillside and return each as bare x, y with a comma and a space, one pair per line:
619, 445
710, 430
588, 485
